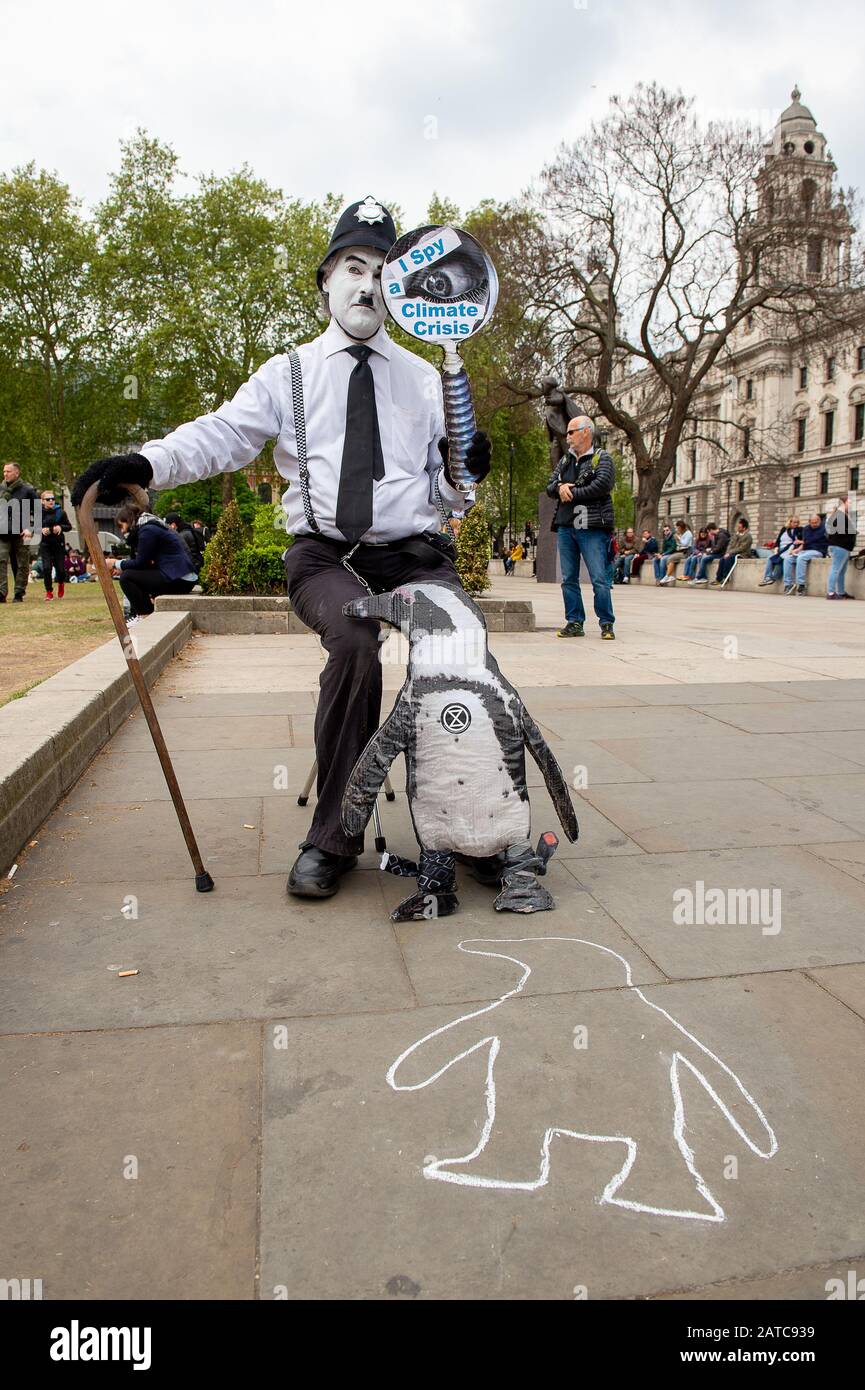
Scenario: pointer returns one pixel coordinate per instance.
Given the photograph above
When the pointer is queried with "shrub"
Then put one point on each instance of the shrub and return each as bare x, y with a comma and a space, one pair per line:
473, 551
259, 569
219, 570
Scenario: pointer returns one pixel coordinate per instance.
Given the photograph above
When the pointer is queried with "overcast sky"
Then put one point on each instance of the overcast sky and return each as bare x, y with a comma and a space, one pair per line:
464, 97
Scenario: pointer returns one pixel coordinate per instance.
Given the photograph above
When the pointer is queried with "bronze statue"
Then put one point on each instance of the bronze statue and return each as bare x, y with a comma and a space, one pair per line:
558, 410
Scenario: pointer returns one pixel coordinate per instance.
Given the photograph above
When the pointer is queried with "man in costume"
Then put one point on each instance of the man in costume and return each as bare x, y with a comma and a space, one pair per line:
358, 422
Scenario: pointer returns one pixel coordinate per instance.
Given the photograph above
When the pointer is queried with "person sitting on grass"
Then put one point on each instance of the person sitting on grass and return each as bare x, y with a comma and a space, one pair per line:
785, 539
684, 539
76, 567
813, 546
159, 563
741, 544
668, 548
720, 539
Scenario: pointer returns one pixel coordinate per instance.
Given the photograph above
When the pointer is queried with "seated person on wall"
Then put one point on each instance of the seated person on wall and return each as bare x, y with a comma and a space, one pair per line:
719, 539
813, 546
647, 549
667, 549
699, 548
784, 541
740, 546
624, 559
159, 563
684, 545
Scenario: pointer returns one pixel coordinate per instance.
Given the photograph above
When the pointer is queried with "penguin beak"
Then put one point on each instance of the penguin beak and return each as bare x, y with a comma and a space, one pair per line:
359, 608
383, 608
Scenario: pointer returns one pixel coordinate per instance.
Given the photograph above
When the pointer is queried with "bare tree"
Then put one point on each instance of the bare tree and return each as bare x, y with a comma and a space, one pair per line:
656, 246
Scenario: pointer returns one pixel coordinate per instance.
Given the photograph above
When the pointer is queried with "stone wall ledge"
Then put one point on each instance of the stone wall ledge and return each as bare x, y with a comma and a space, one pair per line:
250, 615
50, 735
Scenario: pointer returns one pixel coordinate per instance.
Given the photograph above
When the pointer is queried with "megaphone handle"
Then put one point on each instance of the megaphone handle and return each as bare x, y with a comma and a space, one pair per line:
459, 418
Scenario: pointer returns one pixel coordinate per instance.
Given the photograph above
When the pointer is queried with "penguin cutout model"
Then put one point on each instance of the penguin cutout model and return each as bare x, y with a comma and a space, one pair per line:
463, 729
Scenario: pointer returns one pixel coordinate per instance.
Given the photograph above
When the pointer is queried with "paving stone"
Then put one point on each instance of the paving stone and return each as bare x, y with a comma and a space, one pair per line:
180, 1102
208, 733
249, 708
715, 694
846, 858
246, 950
724, 756
442, 972
647, 899
823, 716
661, 818
825, 689
347, 1212
811, 1285
601, 722
845, 982
88, 842
848, 743
118, 776
842, 797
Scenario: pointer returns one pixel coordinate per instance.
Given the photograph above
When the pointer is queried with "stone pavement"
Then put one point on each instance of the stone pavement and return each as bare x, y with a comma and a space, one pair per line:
603, 1097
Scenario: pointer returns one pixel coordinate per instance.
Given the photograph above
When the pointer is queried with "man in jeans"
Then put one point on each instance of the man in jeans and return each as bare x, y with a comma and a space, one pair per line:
583, 482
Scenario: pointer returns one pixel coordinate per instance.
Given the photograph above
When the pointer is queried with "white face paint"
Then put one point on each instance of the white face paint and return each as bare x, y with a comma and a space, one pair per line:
353, 287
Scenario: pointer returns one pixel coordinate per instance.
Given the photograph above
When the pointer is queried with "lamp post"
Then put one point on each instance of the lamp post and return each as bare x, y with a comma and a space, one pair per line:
510, 497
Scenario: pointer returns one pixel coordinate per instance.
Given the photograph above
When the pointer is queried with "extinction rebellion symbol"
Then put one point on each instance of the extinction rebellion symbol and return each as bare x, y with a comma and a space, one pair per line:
455, 718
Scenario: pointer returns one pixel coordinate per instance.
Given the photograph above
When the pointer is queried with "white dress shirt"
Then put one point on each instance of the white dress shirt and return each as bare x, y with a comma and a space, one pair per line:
408, 396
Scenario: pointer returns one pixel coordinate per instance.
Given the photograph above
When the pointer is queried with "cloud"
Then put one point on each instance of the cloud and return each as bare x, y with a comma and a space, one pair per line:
467, 98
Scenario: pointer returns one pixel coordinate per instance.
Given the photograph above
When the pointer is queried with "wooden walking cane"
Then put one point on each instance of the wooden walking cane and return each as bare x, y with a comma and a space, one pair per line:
87, 527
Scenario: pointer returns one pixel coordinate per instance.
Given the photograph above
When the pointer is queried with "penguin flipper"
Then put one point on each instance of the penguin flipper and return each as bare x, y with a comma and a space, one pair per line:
553, 776
372, 767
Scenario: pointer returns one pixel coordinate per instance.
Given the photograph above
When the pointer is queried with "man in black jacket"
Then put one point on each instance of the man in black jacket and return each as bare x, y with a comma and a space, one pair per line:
191, 539
17, 519
584, 524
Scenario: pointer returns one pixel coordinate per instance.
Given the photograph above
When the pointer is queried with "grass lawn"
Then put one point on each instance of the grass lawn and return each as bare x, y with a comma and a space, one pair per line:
38, 638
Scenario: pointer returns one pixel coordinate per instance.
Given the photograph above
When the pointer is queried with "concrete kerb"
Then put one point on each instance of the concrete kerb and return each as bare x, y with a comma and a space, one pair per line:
50, 735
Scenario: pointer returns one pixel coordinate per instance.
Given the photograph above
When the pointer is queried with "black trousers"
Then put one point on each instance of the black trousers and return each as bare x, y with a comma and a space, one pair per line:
52, 552
141, 587
349, 704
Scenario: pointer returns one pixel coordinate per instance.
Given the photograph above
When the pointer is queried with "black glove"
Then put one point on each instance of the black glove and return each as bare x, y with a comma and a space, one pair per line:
477, 459
120, 468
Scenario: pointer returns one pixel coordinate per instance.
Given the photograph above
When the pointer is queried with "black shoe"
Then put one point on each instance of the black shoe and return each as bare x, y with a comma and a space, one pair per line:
19, 598
607, 634
571, 630
2, 598
316, 872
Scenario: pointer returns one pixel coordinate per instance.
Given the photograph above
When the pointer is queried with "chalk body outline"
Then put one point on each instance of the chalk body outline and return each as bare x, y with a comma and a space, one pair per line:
434, 1168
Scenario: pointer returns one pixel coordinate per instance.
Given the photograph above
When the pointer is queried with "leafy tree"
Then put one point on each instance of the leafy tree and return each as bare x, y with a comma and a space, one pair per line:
654, 251
49, 326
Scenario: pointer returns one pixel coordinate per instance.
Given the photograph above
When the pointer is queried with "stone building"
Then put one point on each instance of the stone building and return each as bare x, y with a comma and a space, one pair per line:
790, 409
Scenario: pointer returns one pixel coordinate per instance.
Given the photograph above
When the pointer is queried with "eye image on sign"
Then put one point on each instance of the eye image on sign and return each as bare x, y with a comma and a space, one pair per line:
439, 284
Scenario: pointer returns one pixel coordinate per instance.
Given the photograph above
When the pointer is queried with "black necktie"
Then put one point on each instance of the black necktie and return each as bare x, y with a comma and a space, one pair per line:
362, 459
